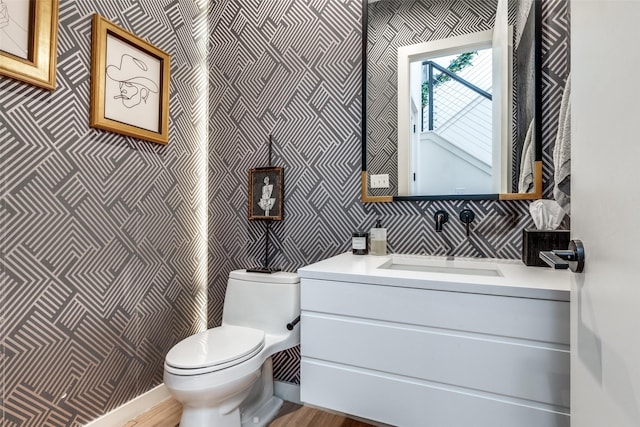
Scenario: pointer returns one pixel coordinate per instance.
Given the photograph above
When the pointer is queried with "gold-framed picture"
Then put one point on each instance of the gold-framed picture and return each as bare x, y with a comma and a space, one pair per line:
28, 36
265, 193
129, 84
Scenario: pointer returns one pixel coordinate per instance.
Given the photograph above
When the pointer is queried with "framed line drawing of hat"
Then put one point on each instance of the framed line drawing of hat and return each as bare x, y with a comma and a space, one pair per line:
129, 84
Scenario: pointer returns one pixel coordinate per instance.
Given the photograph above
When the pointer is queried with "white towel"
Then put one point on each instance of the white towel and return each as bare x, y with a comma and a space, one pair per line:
526, 183
562, 153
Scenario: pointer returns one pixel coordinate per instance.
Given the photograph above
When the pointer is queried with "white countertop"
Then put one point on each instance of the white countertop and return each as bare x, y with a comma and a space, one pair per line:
515, 279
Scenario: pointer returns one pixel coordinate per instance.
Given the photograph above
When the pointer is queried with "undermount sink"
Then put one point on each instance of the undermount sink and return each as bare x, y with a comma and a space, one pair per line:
448, 265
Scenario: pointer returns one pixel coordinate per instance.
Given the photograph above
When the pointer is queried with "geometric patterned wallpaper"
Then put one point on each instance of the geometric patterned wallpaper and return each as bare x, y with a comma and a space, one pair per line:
289, 68
103, 237
107, 241
292, 69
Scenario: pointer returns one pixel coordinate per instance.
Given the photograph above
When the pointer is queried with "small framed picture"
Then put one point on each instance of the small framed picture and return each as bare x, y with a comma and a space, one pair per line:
265, 193
129, 84
28, 34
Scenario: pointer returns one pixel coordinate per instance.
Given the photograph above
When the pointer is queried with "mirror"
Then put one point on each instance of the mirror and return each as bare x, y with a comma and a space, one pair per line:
402, 39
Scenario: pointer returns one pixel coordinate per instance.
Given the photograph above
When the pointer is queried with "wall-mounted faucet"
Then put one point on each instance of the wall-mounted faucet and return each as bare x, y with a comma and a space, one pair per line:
466, 216
441, 217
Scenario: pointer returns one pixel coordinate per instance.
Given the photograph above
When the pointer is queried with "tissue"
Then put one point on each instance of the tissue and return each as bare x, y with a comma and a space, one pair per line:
546, 214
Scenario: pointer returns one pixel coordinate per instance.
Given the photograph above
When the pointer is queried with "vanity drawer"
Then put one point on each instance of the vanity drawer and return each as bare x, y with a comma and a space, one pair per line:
471, 361
411, 403
529, 319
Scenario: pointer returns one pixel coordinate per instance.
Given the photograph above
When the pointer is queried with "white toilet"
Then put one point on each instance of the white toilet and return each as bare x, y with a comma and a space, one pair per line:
224, 376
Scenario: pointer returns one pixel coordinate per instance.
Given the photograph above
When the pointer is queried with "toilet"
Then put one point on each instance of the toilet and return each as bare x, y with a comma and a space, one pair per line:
224, 376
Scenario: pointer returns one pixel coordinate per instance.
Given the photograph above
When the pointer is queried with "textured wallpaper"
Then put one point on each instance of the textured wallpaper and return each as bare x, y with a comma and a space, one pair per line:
292, 69
103, 237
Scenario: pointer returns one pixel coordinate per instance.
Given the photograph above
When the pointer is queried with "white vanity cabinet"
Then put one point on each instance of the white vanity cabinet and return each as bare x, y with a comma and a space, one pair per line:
411, 349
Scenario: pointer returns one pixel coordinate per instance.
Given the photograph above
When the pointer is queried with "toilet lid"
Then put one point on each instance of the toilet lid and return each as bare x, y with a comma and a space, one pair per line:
216, 348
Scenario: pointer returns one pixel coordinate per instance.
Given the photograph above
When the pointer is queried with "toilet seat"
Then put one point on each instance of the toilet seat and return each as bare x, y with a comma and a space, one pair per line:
214, 349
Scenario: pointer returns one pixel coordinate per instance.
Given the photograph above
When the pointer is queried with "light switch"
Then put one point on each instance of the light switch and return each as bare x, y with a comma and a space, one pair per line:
380, 180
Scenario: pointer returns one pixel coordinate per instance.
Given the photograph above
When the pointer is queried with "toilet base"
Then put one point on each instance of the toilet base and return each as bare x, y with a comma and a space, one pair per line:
209, 417
216, 406
264, 415
261, 406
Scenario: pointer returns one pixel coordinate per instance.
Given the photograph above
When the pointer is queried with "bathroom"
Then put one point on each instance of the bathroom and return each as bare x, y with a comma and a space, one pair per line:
114, 248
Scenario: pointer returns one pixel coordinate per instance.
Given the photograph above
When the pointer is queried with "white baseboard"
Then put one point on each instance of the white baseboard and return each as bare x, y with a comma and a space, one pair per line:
132, 408
287, 391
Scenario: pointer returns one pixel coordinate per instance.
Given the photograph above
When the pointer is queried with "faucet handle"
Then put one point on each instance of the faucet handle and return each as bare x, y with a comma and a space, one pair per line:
441, 217
467, 216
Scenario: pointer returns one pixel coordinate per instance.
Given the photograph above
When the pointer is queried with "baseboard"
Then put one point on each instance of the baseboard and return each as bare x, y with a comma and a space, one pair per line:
132, 408
287, 391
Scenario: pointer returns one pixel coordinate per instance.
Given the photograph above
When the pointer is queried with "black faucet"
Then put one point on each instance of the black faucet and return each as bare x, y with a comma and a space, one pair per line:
441, 217
466, 216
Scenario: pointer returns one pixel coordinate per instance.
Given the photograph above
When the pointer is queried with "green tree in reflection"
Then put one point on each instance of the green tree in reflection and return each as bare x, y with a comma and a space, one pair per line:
456, 65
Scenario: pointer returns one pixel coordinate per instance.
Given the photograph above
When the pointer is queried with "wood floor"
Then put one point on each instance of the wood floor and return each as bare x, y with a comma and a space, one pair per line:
167, 414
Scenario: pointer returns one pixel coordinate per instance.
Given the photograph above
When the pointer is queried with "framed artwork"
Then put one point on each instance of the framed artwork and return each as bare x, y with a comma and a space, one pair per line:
28, 34
129, 84
265, 193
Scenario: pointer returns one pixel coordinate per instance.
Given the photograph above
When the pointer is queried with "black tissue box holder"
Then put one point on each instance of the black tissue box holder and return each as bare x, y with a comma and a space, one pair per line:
534, 241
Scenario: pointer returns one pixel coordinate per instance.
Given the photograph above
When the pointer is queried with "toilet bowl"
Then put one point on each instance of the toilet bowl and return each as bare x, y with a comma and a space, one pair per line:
224, 376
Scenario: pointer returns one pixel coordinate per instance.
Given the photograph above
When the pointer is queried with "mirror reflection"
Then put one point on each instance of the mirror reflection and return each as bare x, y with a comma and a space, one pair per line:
451, 102
450, 109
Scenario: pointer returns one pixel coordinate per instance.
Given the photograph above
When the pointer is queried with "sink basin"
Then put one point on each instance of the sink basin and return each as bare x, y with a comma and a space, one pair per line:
448, 265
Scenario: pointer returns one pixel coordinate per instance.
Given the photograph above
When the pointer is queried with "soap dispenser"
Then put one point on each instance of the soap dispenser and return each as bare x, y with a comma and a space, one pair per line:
378, 239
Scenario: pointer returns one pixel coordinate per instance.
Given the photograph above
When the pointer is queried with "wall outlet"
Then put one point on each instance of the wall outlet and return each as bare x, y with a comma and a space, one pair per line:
380, 181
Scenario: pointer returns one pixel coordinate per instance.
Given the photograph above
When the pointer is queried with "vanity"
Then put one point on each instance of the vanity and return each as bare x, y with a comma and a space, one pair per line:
413, 340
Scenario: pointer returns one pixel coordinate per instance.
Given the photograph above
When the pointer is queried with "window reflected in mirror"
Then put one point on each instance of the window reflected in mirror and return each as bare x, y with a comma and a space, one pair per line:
451, 144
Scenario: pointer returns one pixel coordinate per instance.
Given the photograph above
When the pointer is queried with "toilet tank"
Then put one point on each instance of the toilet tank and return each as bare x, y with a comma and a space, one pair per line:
262, 301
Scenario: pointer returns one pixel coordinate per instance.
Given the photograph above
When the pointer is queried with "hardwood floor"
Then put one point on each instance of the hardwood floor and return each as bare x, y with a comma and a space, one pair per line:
167, 414
297, 415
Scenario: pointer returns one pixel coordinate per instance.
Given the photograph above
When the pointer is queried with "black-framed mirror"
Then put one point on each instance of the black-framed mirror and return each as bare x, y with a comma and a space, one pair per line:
387, 32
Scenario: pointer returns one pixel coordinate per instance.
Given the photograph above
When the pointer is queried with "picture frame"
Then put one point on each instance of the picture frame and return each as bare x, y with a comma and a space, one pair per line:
129, 84
28, 41
265, 193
